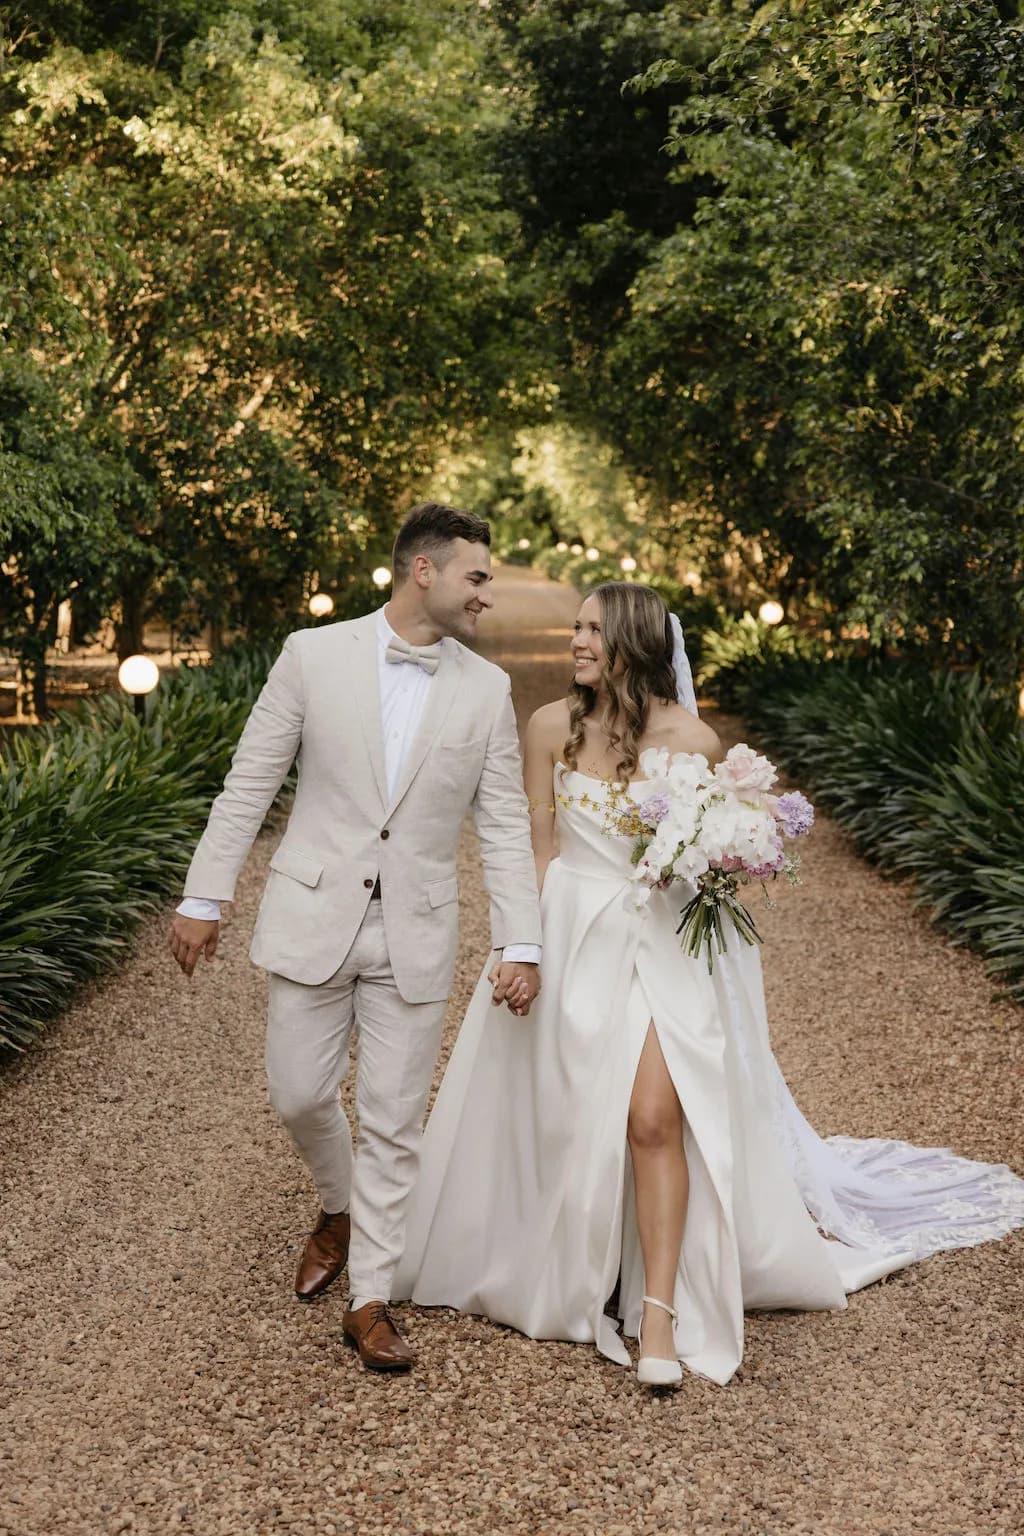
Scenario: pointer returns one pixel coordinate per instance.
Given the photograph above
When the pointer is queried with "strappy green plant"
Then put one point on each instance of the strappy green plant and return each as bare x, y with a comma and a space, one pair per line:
97, 817
926, 771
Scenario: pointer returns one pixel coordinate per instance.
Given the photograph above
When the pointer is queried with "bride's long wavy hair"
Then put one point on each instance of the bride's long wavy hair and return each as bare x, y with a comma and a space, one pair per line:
636, 631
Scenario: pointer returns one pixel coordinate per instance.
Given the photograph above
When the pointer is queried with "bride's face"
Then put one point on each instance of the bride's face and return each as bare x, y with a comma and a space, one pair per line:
587, 645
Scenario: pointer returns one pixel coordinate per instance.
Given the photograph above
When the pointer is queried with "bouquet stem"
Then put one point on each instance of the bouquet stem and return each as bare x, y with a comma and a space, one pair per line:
701, 926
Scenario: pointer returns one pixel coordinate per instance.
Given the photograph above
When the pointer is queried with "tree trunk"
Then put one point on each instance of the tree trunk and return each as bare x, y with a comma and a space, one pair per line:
32, 701
39, 700
130, 623
23, 698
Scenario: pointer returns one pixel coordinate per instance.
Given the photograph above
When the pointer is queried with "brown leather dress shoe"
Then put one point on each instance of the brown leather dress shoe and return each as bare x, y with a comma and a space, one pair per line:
324, 1256
371, 1329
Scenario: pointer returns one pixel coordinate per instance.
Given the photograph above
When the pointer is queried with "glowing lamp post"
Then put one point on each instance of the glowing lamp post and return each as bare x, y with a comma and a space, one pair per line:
627, 564
138, 676
381, 577
771, 612
321, 604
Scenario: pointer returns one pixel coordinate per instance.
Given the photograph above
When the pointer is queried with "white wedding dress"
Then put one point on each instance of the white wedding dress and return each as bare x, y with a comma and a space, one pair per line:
524, 1210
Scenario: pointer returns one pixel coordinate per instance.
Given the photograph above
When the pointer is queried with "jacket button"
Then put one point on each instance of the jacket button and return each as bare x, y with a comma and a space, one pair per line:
368, 884
385, 834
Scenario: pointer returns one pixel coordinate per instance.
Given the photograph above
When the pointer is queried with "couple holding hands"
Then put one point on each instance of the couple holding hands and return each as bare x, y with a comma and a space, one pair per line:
624, 1131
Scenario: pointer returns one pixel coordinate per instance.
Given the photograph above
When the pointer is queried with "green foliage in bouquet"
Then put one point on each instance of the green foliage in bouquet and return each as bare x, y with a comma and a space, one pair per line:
926, 770
97, 818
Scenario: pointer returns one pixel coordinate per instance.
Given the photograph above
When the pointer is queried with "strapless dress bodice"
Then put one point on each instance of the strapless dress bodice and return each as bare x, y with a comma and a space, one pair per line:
587, 845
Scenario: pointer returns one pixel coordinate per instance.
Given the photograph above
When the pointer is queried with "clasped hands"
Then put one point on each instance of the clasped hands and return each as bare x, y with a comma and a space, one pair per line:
516, 983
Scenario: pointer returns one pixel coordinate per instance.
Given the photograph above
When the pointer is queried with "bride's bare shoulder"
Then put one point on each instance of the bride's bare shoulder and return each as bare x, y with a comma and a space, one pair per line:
550, 723
680, 731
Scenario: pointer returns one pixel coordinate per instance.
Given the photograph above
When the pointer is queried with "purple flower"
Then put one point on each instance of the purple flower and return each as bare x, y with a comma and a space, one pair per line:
795, 814
654, 810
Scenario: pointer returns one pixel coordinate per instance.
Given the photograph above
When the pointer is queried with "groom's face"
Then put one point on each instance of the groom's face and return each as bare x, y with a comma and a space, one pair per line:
460, 590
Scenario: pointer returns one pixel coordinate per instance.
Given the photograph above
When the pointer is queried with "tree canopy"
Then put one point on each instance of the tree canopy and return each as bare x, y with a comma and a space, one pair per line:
268, 272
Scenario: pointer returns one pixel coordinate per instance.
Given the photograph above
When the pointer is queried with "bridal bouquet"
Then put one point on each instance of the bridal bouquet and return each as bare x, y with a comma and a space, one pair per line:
718, 828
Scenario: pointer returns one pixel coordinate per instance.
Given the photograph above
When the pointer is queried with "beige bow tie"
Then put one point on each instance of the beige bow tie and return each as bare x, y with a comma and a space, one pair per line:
425, 656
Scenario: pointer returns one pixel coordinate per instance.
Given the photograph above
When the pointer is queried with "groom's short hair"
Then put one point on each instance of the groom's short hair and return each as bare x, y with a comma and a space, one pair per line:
431, 528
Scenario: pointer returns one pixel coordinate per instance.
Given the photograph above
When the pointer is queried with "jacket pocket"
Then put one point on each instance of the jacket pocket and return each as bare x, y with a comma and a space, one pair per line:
472, 746
440, 892
298, 866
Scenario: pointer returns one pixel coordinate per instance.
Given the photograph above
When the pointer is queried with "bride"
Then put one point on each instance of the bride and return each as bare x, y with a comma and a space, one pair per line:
635, 1130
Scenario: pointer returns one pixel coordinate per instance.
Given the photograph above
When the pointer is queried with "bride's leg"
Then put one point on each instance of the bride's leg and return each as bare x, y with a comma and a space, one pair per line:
662, 1181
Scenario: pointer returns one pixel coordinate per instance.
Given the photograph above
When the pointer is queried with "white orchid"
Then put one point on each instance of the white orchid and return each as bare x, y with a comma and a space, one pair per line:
637, 896
681, 822
655, 763
691, 863
688, 770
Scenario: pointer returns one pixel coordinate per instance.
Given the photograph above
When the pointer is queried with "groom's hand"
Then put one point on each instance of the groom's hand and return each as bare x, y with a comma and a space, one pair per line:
191, 937
516, 983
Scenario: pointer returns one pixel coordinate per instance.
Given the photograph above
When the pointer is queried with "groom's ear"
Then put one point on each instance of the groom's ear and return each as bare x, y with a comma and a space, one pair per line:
422, 570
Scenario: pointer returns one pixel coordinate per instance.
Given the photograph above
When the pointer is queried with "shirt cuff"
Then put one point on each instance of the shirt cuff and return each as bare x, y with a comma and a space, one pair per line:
524, 954
202, 907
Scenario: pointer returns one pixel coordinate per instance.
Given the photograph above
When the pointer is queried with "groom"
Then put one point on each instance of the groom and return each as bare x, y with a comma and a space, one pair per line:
398, 730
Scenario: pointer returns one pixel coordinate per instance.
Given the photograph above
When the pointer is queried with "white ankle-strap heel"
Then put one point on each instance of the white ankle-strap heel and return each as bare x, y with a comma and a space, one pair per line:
651, 1372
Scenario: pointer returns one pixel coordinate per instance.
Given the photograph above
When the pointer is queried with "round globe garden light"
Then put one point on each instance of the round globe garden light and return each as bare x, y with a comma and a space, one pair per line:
138, 676
562, 547
628, 564
381, 576
524, 544
593, 554
576, 549
321, 604
771, 612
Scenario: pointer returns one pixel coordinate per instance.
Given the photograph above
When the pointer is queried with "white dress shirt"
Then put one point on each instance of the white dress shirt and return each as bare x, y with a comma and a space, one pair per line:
403, 694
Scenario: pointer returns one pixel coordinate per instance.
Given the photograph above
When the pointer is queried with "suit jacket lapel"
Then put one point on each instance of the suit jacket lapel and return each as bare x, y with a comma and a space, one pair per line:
366, 688
444, 690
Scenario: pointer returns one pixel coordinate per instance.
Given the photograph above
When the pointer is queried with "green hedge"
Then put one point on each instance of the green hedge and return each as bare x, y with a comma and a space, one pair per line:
98, 817
926, 771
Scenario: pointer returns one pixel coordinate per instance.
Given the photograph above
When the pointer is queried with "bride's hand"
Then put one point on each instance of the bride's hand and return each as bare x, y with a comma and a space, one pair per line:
515, 983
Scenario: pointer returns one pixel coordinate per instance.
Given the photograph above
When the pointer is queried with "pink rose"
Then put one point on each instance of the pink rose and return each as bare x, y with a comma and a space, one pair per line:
772, 866
745, 772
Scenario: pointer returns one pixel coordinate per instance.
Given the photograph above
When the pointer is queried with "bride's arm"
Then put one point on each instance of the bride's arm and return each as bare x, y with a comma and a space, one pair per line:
538, 778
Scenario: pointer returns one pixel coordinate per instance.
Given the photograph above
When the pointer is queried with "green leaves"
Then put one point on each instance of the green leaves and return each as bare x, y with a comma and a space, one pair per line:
926, 771
826, 355
737, 651
97, 819
251, 257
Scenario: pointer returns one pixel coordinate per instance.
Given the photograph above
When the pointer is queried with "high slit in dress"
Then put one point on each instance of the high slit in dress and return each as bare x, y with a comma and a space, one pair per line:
524, 1209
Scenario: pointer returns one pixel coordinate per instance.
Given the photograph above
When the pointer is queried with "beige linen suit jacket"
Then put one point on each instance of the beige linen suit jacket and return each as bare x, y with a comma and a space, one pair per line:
321, 704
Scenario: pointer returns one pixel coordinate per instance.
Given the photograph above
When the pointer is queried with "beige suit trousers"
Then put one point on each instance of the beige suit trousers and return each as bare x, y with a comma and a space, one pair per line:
309, 1033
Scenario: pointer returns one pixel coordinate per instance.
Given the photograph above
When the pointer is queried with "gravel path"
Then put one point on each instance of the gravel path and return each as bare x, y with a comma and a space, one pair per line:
158, 1376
